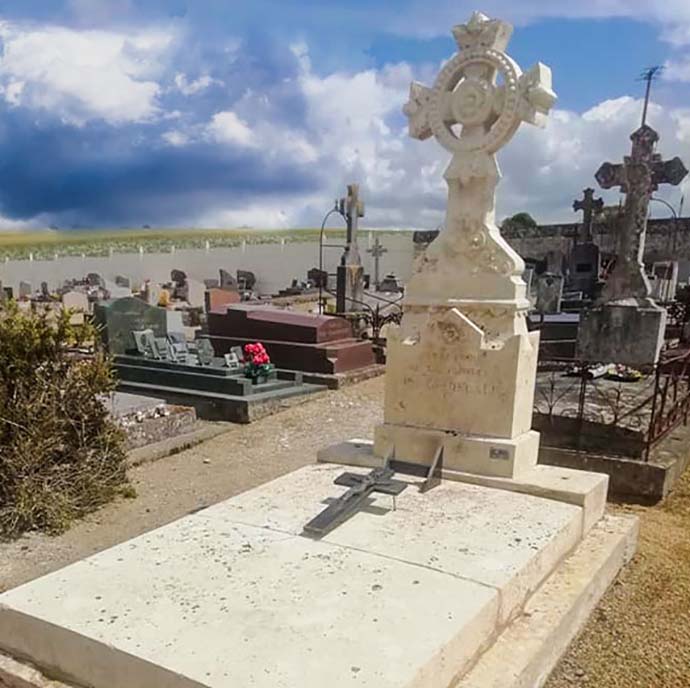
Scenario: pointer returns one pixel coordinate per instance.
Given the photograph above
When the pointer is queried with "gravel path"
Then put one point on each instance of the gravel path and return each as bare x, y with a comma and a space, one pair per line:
638, 637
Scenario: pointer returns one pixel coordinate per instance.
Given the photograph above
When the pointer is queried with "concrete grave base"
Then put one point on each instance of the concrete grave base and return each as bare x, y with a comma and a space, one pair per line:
500, 457
426, 592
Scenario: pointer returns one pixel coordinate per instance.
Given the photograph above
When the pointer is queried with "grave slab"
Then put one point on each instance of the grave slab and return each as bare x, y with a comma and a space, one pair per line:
234, 595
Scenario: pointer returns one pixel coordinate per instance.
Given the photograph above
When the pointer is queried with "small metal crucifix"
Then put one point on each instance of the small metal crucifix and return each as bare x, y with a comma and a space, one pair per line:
361, 487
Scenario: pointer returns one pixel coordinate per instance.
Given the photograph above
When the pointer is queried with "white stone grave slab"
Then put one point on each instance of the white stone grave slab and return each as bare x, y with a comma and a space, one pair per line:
235, 596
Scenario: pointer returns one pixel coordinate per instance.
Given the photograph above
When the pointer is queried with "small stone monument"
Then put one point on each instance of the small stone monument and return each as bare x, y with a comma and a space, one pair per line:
227, 281
626, 325
151, 293
377, 252
78, 303
549, 293
26, 290
461, 368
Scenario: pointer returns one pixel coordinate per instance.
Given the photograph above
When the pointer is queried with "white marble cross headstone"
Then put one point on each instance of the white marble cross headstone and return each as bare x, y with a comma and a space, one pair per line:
474, 108
461, 368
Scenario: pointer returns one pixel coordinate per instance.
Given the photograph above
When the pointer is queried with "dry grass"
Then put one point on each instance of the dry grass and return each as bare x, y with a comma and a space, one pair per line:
639, 636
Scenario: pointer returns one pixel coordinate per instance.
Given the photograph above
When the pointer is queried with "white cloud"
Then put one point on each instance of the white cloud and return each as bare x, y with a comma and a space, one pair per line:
190, 88
263, 215
175, 137
83, 75
677, 70
354, 129
227, 127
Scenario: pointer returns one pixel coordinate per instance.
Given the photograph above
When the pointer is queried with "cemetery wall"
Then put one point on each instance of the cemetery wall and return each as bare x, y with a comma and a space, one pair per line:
659, 245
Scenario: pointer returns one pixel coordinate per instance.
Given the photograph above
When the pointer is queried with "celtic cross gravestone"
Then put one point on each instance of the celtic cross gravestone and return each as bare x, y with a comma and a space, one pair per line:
461, 368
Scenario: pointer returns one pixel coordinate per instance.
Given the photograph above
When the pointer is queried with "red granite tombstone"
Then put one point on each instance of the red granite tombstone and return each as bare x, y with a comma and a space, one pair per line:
293, 340
216, 298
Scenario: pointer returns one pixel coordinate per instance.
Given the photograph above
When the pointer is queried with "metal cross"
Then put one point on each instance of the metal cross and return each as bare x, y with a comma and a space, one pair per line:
377, 251
352, 208
589, 205
638, 177
361, 486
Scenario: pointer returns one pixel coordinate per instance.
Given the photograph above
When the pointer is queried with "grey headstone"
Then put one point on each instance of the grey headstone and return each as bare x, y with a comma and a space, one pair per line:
178, 277
93, 279
25, 290
205, 352
118, 319
151, 293
227, 281
549, 293
619, 333
144, 342
246, 279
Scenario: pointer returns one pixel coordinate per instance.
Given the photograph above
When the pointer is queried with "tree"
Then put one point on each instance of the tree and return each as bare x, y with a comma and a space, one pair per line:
61, 455
519, 225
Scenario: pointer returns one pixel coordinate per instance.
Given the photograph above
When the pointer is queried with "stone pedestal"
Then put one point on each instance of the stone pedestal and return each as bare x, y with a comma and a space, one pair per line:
622, 333
448, 384
349, 288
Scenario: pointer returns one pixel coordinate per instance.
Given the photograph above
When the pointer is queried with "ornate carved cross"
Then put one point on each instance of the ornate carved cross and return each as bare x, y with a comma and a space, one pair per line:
589, 205
638, 177
474, 108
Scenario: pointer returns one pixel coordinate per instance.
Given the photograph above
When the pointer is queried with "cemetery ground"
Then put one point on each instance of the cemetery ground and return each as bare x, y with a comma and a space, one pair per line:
639, 635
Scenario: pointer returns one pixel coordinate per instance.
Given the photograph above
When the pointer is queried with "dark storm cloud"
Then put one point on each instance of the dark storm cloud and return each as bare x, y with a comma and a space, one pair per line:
99, 176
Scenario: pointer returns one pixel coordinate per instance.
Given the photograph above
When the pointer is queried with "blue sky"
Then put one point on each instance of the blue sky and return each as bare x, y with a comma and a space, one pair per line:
221, 113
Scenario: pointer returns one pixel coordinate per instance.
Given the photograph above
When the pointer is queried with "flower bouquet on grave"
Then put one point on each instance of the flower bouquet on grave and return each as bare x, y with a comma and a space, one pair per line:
257, 364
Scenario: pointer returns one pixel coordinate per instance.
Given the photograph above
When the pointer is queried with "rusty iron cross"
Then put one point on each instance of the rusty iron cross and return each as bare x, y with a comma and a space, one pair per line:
638, 177
589, 205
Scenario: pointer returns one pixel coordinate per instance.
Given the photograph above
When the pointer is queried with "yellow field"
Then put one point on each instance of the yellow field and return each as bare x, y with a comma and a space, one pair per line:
46, 244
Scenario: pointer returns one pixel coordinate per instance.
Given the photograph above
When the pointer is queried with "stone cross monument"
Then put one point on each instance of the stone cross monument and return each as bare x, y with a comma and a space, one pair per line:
588, 205
350, 273
627, 326
377, 251
584, 262
461, 368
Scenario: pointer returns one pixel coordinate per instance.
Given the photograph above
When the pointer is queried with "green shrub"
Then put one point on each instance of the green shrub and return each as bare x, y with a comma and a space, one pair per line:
61, 455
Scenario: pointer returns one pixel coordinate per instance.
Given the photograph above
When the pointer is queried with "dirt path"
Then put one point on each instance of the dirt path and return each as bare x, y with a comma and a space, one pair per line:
638, 637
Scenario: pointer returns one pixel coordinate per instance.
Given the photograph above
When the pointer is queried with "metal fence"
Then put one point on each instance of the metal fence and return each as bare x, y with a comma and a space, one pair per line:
604, 409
